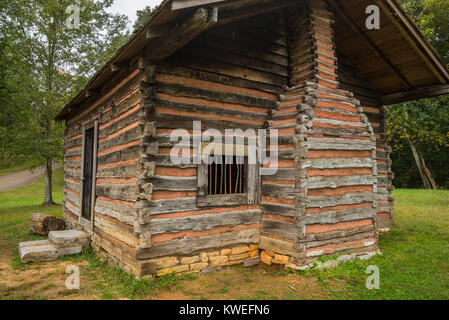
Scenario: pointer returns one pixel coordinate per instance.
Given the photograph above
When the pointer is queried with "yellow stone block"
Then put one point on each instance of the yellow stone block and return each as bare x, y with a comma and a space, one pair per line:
199, 266
280, 259
265, 258
213, 253
177, 269
190, 260
254, 253
225, 252
218, 260
239, 249
240, 256
270, 253
253, 247
204, 257
165, 262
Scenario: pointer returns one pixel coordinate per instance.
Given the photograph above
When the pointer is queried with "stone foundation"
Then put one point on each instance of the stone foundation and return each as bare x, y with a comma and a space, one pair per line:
248, 255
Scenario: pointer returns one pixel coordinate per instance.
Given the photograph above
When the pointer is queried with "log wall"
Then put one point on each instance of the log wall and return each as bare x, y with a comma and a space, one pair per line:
117, 110
227, 78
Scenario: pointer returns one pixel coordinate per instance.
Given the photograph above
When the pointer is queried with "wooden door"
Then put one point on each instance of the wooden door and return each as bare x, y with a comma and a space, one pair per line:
88, 170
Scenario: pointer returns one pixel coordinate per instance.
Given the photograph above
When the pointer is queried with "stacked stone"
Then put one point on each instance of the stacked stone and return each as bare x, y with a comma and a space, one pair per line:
206, 261
59, 243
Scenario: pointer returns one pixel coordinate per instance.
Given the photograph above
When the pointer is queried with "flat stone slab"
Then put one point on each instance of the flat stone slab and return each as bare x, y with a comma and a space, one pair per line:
69, 238
250, 263
33, 243
44, 251
38, 251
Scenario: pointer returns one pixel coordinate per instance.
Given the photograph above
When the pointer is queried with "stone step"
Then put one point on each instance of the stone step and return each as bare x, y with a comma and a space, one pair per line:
69, 238
43, 251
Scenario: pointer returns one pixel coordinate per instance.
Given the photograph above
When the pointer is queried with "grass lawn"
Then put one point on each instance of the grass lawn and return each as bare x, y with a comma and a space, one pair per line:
414, 264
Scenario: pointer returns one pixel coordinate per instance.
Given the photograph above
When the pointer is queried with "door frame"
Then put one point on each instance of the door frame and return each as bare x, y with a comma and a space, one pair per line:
86, 224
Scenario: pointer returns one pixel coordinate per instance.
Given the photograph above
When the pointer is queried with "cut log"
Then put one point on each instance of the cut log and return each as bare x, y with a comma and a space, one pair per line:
42, 224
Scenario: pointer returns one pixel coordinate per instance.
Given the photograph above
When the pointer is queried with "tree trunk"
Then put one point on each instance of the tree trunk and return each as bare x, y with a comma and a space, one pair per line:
432, 182
426, 176
48, 183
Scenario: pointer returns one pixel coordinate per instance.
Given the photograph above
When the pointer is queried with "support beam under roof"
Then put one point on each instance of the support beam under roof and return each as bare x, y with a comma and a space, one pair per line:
184, 4
182, 34
421, 93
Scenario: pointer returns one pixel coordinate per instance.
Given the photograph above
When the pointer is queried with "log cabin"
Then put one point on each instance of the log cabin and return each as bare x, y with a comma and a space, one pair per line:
310, 69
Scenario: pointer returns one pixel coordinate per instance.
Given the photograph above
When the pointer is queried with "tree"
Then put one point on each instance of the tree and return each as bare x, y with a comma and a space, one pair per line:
423, 126
143, 16
420, 129
51, 57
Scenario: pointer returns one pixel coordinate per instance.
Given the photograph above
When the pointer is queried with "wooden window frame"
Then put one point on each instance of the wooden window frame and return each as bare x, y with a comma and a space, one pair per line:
251, 196
86, 224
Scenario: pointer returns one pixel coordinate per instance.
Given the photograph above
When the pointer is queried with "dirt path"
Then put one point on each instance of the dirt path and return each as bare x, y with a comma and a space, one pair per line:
22, 178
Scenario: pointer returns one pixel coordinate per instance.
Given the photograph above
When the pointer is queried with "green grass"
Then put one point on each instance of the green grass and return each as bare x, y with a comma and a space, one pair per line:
414, 264
415, 260
16, 207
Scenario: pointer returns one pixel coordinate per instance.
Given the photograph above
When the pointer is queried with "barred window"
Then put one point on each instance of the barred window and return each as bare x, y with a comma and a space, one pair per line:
228, 176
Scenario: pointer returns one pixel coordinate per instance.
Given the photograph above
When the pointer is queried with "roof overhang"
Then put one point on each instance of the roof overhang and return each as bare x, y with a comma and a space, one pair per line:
176, 22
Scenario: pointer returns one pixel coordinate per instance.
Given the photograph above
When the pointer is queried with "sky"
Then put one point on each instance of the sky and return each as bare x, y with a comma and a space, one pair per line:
130, 7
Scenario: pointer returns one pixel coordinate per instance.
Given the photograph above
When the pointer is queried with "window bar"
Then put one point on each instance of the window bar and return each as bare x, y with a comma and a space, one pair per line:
237, 178
221, 180
216, 176
241, 178
230, 178
210, 179
224, 177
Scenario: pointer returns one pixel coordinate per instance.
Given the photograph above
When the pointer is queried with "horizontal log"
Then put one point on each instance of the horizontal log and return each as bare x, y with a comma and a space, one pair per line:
174, 183
341, 236
116, 230
175, 205
348, 198
121, 212
165, 103
278, 246
319, 182
211, 95
203, 221
336, 163
222, 200
335, 216
125, 192
214, 77
124, 171
281, 229
279, 209
188, 246
120, 155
